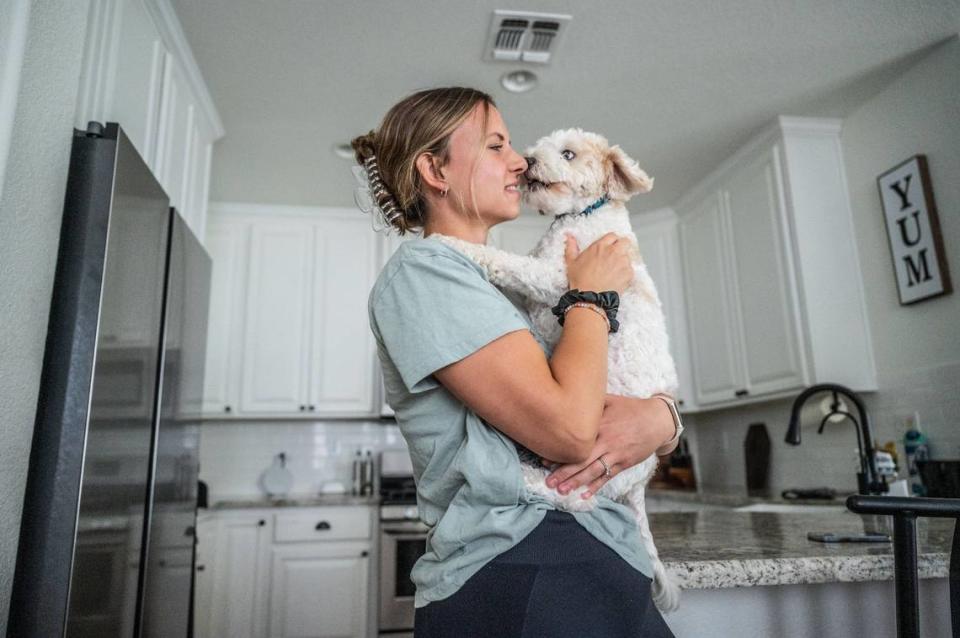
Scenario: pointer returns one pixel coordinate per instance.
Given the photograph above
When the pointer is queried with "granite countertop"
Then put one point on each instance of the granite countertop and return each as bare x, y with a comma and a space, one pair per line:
303, 500
726, 548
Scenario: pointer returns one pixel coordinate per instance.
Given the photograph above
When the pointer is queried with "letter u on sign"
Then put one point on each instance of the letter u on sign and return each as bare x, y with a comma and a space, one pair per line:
913, 228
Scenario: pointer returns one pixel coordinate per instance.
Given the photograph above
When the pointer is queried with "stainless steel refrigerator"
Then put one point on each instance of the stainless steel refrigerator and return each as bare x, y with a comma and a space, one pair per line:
107, 537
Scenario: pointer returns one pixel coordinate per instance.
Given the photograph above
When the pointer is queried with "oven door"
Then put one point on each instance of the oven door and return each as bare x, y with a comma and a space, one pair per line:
401, 544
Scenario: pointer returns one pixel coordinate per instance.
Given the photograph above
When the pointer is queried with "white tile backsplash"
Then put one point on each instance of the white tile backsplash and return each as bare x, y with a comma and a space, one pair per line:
233, 454
828, 459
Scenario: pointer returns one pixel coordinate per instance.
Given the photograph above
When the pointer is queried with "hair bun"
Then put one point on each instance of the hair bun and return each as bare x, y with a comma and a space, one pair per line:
364, 147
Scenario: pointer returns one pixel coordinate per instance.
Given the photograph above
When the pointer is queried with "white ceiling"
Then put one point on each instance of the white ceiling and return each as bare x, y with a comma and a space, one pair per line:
679, 84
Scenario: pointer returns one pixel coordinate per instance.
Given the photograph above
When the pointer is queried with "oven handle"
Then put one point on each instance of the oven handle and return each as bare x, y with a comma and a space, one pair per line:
413, 527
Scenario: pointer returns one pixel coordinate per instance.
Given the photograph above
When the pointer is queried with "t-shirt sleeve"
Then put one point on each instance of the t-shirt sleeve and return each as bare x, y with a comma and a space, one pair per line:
436, 310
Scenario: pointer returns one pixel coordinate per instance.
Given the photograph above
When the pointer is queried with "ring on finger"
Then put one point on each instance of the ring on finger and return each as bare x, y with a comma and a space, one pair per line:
606, 468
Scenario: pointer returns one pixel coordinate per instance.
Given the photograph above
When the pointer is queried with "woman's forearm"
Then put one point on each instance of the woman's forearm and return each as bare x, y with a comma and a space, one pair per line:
579, 365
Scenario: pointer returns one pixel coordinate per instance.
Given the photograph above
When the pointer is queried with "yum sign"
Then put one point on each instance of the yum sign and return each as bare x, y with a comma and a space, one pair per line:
913, 228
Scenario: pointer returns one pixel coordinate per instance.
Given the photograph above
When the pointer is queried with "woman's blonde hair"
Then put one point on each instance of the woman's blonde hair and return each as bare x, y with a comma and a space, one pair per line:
420, 123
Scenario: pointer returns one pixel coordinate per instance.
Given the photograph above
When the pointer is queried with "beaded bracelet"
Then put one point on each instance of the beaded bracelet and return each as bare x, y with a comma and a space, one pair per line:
593, 307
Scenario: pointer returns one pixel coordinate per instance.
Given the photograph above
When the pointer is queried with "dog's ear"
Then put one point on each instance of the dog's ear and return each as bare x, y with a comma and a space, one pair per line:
624, 176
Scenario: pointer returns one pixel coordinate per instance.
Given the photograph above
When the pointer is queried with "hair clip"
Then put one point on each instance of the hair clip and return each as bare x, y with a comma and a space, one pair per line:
365, 195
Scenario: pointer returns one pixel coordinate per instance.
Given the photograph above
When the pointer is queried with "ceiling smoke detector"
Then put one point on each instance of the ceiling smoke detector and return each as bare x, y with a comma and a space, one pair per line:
522, 36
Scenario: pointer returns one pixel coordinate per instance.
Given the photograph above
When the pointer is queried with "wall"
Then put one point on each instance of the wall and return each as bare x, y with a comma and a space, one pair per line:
30, 211
233, 455
916, 347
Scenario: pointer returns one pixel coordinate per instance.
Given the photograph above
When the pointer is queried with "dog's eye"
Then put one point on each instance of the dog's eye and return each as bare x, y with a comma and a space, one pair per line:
567, 154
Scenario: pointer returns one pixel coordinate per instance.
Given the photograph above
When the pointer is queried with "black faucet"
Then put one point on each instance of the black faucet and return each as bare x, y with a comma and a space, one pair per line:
868, 481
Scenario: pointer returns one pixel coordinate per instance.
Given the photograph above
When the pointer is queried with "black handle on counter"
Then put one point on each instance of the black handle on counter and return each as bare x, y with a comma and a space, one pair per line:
905, 510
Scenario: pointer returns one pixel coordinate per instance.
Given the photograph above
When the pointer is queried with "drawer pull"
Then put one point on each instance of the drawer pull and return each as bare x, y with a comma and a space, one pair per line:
742, 393
364, 554
261, 522
322, 525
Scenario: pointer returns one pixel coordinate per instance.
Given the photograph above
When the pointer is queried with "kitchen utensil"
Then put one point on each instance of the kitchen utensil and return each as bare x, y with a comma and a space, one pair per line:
829, 537
819, 493
277, 479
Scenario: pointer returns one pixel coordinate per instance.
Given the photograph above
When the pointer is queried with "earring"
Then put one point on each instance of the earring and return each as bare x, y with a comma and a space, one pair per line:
443, 193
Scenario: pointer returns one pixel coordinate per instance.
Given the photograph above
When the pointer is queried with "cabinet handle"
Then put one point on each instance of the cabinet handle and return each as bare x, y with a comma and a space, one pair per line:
679, 401
261, 522
742, 393
162, 562
302, 408
322, 525
190, 531
227, 408
200, 568
312, 408
364, 553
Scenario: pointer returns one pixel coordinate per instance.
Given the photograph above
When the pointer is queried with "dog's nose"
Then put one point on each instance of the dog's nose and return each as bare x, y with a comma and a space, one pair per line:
530, 161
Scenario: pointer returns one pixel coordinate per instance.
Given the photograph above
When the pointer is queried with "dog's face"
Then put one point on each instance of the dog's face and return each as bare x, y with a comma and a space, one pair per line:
571, 168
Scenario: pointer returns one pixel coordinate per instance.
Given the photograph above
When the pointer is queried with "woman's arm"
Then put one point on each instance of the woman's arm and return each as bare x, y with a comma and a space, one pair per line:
630, 431
552, 407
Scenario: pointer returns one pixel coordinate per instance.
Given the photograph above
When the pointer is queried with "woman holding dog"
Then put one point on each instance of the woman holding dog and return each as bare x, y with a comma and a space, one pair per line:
467, 379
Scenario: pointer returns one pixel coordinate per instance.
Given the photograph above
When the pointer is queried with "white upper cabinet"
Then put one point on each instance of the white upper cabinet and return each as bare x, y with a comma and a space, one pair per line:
288, 333
345, 265
227, 241
761, 275
773, 289
138, 71
277, 333
714, 339
659, 241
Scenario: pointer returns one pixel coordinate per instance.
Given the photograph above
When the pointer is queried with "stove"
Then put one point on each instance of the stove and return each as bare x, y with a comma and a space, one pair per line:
403, 540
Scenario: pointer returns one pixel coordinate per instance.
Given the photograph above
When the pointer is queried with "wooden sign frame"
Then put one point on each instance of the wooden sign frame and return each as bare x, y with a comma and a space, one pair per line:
913, 231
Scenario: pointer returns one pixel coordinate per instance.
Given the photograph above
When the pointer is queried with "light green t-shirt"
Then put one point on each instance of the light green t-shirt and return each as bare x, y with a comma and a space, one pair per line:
431, 306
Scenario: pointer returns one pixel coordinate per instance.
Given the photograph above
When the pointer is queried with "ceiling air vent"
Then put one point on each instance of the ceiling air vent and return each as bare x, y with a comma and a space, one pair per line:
519, 36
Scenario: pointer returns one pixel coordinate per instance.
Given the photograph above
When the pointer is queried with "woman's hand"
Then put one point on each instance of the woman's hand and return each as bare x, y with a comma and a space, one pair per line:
604, 265
630, 431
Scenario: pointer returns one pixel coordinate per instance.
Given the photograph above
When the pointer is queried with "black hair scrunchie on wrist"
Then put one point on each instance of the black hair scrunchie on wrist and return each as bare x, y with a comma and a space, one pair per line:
609, 300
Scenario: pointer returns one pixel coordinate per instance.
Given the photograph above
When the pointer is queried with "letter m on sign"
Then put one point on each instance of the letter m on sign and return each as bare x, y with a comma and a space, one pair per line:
913, 228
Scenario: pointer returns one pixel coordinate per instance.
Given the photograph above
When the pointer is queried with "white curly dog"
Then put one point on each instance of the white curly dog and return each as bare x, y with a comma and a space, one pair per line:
579, 178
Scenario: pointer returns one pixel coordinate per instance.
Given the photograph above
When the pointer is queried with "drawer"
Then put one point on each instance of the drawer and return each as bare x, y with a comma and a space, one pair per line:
328, 523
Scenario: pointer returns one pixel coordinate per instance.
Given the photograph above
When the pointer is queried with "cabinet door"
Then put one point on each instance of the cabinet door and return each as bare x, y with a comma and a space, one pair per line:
240, 573
175, 135
228, 243
133, 89
342, 358
203, 585
276, 342
319, 590
713, 346
763, 290
659, 248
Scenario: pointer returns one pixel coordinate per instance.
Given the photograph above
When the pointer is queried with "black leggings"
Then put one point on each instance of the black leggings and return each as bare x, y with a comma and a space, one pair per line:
558, 582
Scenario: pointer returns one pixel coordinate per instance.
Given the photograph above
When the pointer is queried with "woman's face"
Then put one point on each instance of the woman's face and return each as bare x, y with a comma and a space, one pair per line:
498, 168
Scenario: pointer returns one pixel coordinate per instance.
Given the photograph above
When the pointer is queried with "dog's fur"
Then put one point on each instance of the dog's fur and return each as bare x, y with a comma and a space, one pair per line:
639, 361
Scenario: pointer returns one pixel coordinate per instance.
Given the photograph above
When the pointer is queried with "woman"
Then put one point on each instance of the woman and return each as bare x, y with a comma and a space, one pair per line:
468, 382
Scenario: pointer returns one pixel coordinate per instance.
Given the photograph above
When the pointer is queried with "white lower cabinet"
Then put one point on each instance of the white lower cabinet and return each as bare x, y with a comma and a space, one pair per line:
319, 590
301, 572
237, 565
